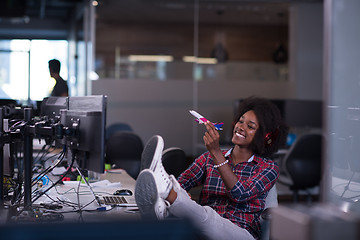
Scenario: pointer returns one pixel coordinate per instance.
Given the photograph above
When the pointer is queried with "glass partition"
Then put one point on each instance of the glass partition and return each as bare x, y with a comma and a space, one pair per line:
342, 185
158, 44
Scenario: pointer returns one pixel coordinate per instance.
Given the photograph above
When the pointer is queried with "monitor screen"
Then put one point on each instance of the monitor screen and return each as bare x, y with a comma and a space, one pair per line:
303, 113
87, 116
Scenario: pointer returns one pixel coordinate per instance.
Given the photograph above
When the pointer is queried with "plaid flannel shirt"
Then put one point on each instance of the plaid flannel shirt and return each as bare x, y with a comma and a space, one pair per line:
244, 203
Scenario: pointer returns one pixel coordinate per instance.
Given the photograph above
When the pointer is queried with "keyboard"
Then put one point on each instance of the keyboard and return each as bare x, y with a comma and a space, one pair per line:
114, 200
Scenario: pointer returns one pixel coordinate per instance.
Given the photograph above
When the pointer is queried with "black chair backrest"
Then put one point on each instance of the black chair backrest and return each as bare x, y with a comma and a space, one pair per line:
124, 149
117, 127
174, 161
304, 161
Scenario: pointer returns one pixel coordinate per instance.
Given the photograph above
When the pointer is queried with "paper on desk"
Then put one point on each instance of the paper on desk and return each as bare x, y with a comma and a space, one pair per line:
106, 183
47, 199
102, 184
58, 171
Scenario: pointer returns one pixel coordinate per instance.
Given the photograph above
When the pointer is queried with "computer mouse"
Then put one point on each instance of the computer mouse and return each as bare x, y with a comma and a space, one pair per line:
123, 192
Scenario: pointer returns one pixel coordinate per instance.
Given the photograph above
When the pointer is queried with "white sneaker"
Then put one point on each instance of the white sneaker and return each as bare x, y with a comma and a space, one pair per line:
150, 204
152, 159
152, 150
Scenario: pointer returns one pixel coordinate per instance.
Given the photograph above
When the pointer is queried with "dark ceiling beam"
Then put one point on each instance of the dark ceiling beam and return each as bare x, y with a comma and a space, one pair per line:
35, 29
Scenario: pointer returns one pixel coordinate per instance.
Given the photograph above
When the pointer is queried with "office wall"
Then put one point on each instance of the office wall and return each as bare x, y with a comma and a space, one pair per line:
306, 50
162, 107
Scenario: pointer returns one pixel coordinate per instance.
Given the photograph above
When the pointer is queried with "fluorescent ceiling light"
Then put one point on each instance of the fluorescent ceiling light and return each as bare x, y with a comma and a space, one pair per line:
200, 60
151, 58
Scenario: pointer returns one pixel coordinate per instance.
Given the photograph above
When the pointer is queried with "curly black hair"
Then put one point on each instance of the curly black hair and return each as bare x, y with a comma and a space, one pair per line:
272, 132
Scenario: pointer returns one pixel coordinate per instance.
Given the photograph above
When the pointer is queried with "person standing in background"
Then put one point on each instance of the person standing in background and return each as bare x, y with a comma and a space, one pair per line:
61, 88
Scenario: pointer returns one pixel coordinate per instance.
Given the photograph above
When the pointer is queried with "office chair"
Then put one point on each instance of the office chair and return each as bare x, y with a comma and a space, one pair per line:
174, 161
116, 127
271, 201
302, 164
123, 150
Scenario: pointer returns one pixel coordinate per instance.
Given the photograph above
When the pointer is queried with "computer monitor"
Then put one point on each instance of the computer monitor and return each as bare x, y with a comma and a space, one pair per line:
84, 121
303, 113
51, 106
86, 116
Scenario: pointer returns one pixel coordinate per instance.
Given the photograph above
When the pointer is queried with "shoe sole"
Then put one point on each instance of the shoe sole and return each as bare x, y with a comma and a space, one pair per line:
146, 194
152, 150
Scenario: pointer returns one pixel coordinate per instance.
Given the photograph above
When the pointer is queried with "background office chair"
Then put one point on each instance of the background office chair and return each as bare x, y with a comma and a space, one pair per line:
123, 150
302, 164
174, 161
117, 127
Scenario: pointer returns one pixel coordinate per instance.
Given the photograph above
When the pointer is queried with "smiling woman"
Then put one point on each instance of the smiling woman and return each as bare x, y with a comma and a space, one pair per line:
235, 182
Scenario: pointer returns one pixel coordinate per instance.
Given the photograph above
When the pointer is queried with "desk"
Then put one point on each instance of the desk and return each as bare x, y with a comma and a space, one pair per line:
120, 175
117, 179
75, 193
114, 224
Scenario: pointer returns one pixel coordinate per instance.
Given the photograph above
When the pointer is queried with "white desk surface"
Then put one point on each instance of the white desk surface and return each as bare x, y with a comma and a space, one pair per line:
114, 180
80, 195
